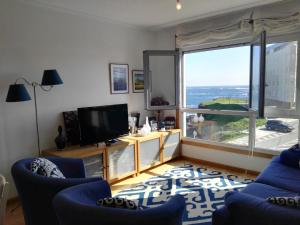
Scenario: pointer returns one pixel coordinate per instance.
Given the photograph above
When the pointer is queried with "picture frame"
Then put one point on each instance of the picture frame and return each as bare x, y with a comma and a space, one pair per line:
119, 78
138, 81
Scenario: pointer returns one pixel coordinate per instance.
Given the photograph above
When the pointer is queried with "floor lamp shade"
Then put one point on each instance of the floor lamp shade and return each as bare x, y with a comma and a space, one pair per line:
17, 93
51, 77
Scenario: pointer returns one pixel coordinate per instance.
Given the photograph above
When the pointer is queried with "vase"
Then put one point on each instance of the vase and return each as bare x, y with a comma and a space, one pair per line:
60, 140
147, 125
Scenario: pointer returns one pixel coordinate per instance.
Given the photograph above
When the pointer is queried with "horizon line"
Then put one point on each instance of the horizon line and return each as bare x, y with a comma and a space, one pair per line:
243, 85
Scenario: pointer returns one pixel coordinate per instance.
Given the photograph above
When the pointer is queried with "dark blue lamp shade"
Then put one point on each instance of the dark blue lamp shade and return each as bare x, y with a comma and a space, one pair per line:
50, 78
17, 93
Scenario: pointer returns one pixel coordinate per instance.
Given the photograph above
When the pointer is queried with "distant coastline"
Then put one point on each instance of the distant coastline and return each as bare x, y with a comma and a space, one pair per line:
200, 94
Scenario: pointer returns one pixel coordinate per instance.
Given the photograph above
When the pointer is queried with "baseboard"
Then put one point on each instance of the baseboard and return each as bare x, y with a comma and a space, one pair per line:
219, 165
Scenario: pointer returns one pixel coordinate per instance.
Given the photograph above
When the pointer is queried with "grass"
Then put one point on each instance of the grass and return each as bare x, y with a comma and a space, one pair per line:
232, 126
227, 101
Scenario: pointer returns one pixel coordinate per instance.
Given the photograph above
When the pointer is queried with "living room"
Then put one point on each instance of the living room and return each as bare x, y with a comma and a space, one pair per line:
229, 91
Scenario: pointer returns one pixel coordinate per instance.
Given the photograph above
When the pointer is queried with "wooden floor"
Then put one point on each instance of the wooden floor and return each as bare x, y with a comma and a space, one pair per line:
14, 215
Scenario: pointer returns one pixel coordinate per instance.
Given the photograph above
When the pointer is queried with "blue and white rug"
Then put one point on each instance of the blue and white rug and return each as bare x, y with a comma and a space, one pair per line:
202, 188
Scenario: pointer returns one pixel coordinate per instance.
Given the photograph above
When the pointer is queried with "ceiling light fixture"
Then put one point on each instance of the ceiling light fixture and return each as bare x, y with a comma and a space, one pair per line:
178, 5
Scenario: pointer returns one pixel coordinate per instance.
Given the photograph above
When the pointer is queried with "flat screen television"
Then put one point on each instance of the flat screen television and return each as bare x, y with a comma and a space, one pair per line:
102, 123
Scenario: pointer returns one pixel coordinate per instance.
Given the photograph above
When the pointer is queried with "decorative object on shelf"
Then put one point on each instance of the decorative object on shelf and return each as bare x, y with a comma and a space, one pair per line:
170, 122
72, 127
152, 118
195, 133
195, 119
143, 132
162, 126
137, 81
147, 124
158, 101
60, 140
137, 116
201, 118
132, 124
154, 125
146, 128
18, 93
119, 77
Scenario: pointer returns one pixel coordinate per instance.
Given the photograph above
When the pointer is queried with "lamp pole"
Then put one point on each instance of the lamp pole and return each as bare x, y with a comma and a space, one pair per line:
36, 118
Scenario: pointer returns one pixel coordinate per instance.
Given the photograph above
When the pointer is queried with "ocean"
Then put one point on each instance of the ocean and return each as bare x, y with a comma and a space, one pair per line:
197, 95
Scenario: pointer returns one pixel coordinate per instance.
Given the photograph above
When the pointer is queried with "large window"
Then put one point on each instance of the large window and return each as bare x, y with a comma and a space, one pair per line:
217, 78
216, 96
280, 131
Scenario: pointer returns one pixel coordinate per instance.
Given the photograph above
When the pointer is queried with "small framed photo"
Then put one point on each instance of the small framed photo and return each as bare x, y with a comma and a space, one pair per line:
119, 78
137, 81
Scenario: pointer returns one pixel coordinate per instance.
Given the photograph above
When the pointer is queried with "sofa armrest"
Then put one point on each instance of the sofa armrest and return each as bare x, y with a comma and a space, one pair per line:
57, 184
67, 204
70, 167
221, 216
290, 158
247, 209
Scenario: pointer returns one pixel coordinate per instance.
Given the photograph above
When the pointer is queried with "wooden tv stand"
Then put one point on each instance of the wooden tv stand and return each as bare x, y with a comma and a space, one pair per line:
128, 157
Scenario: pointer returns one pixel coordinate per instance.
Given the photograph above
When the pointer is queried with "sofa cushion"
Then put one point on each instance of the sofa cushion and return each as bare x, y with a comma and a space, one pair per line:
291, 157
279, 175
265, 191
45, 167
117, 203
285, 201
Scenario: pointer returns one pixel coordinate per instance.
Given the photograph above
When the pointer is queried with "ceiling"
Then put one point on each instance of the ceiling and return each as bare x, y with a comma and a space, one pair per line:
153, 14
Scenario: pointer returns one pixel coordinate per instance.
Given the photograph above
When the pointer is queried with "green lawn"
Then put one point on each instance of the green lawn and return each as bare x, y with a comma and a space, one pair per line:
232, 126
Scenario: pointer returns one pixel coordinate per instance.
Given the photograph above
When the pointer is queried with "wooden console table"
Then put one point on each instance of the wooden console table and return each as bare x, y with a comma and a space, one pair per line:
156, 148
128, 157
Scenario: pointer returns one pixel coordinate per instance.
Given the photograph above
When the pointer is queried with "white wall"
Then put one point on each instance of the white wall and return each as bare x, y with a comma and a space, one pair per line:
225, 158
80, 48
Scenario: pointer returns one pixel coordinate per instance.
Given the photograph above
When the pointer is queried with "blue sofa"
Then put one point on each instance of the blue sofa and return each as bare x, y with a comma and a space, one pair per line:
281, 178
77, 206
37, 192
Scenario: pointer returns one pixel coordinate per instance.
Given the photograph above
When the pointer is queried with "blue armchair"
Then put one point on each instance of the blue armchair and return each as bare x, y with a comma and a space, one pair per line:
36, 192
77, 206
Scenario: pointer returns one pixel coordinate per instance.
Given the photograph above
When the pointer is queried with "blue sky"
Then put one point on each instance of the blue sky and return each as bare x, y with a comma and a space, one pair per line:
222, 67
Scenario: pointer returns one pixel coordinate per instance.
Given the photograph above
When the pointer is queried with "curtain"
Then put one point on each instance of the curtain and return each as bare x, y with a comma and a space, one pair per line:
241, 28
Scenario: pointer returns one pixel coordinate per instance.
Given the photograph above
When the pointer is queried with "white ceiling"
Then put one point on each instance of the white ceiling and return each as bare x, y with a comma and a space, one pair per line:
152, 14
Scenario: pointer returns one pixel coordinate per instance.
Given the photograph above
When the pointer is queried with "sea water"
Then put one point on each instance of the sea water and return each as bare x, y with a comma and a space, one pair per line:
197, 95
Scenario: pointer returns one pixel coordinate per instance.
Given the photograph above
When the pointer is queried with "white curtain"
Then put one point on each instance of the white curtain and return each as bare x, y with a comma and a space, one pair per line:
278, 25
241, 28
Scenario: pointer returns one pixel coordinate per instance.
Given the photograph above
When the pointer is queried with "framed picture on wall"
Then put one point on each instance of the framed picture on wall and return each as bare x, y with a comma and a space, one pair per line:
119, 78
137, 81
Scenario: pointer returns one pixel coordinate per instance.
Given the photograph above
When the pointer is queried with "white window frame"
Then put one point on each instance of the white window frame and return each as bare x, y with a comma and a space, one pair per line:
250, 114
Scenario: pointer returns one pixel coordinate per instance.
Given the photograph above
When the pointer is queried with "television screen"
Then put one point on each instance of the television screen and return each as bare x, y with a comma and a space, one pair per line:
102, 123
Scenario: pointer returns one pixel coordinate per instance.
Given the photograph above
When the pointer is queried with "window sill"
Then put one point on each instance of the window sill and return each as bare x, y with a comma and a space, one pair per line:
263, 153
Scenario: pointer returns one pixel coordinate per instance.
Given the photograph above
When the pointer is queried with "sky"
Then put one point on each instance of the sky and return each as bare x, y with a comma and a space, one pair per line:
222, 67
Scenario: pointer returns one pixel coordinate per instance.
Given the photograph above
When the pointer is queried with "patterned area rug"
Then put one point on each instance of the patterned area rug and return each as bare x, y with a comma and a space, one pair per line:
202, 188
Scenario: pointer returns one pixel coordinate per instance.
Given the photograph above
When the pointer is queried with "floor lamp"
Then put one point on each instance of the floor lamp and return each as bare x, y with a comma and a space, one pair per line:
18, 93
